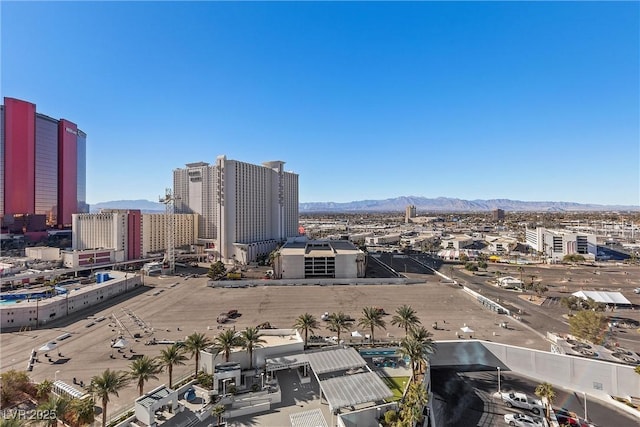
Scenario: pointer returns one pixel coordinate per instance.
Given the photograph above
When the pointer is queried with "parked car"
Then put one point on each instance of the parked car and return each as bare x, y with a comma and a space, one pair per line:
520, 400
521, 420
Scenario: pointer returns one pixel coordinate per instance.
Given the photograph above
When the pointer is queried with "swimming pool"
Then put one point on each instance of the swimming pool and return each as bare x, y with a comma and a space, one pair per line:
380, 352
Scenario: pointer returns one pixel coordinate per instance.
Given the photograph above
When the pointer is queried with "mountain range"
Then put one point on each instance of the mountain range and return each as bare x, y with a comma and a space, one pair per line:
398, 204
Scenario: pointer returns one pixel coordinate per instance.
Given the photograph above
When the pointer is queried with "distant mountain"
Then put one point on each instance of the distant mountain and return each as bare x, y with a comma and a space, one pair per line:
446, 204
143, 205
398, 204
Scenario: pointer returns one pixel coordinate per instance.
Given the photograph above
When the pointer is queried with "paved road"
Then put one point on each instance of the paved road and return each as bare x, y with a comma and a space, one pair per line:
466, 399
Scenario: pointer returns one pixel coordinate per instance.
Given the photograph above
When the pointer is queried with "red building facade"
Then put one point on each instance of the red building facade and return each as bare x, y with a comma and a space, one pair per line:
40, 165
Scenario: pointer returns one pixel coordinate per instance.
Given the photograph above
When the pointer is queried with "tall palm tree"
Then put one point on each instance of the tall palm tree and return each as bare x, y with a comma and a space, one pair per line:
417, 346
411, 349
225, 341
83, 411
170, 357
424, 337
371, 318
194, 344
143, 370
105, 384
251, 338
338, 322
545, 391
307, 323
406, 318
55, 405
43, 389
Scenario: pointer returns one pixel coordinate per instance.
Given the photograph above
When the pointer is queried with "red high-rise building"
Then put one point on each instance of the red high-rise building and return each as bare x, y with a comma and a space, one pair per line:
42, 165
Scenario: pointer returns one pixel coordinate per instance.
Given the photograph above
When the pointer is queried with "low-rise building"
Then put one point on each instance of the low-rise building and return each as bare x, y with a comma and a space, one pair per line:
308, 259
456, 242
554, 245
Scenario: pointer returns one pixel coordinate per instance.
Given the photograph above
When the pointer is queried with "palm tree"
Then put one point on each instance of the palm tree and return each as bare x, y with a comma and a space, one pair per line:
307, 323
218, 410
11, 422
83, 411
105, 384
417, 347
371, 318
406, 318
55, 405
545, 391
251, 338
43, 389
411, 349
225, 341
143, 370
339, 322
170, 357
194, 344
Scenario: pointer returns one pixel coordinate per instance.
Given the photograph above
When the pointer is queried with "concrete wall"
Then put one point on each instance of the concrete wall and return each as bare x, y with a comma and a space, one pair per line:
597, 378
346, 266
292, 266
311, 282
50, 309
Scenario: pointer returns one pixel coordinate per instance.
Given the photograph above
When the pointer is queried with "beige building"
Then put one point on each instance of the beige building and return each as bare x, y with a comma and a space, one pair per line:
322, 259
130, 233
154, 231
246, 209
42, 253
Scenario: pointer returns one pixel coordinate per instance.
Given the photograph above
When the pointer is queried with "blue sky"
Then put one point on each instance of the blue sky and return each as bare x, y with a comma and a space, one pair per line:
528, 101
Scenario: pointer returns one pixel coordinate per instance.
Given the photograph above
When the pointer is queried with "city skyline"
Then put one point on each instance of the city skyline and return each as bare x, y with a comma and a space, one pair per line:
533, 101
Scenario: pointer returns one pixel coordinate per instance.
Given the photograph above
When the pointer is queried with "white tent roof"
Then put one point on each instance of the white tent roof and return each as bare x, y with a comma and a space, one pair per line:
121, 343
466, 329
605, 297
48, 346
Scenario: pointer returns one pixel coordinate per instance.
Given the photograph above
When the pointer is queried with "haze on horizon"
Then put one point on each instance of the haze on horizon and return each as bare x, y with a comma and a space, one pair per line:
522, 101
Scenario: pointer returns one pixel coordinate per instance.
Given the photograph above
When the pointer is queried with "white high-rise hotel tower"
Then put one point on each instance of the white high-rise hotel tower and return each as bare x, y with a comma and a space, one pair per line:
245, 210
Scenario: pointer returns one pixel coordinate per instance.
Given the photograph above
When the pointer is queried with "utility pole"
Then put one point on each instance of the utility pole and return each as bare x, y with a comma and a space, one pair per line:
170, 254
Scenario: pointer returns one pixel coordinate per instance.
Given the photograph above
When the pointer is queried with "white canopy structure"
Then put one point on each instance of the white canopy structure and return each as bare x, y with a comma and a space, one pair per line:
48, 346
467, 330
356, 334
615, 298
121, 343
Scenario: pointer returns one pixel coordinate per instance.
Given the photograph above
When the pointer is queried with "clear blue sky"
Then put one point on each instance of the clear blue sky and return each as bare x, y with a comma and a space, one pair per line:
528, 101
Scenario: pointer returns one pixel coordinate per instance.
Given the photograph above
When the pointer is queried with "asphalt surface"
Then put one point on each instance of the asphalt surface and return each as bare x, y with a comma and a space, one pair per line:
465, 399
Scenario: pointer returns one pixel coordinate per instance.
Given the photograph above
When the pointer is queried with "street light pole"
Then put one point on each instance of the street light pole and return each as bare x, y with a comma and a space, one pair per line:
499, 390
585, 406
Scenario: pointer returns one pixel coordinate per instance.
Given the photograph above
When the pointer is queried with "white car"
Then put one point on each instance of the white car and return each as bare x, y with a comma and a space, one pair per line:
521, 420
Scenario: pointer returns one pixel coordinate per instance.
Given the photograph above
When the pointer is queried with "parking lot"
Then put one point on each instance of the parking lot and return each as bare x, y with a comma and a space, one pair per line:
174, 308
467, 399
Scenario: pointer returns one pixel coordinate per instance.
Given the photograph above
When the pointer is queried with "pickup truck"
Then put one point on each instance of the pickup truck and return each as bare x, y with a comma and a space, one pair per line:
520, 400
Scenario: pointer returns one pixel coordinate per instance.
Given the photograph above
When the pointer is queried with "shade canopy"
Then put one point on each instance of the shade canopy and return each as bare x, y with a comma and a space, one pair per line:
121, 343
356, 334
48, 346
466, 329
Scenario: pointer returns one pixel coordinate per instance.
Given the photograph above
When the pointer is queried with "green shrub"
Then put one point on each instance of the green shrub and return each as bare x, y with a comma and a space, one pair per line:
390, 417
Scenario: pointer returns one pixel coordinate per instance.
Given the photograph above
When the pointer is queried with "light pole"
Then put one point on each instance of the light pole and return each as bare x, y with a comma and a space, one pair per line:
499, 390
585, 406
55, 376
262, 378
